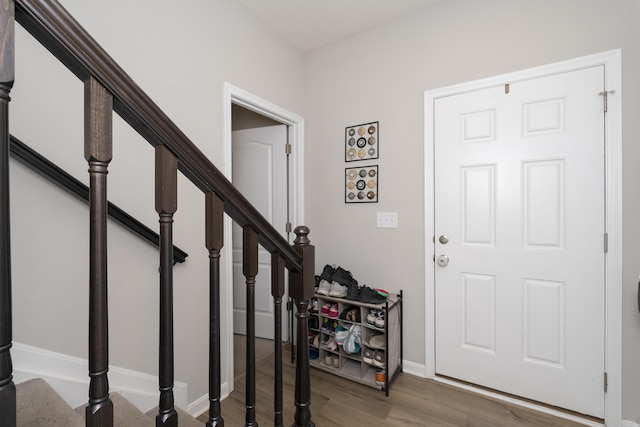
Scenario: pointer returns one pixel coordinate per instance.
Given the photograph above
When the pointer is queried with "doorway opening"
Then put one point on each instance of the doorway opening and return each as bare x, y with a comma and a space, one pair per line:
247, 114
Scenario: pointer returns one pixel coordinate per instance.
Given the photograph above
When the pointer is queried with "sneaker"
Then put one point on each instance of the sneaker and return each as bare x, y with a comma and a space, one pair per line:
313, 322
352, 342
313, 305
329, 343
371, 317
367, 355
340, 334
353, 291
326, 308
333, 311
343, 277
337, 290
328, 326
379, 321
351, 314
327, 273
381, 377
324, 287
328, 359
378, 358
336, 361
369, 296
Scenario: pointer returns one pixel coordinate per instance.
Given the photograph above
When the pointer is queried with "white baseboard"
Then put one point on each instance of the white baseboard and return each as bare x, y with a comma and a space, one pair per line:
68, 375
413, 368
626, 423
201, 405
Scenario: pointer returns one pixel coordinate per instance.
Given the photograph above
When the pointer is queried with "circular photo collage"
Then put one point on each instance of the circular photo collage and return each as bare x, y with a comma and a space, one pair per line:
361, 142
361, 184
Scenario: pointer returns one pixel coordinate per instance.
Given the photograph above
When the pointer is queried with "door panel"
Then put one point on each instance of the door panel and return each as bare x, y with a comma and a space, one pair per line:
259, 172
519, 191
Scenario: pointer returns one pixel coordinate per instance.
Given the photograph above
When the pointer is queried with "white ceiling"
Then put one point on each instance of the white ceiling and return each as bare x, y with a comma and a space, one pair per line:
310, 24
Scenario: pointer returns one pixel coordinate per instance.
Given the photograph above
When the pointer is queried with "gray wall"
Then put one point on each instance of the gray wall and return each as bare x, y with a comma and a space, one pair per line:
180, 55
382, 75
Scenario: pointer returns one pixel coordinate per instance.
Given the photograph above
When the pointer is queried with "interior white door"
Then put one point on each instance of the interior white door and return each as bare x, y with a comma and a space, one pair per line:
519, 239
259, 171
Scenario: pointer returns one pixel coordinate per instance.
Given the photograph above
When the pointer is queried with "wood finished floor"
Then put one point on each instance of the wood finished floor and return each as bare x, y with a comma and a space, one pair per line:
412, 401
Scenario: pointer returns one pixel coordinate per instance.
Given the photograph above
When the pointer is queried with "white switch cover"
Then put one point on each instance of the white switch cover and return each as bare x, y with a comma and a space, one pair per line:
387, 220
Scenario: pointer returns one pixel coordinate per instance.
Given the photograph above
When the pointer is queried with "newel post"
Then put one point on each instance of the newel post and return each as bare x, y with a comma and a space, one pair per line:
301, 288
7, 387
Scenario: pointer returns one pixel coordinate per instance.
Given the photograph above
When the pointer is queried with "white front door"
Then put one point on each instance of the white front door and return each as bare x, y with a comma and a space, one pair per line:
519, 277
260, 173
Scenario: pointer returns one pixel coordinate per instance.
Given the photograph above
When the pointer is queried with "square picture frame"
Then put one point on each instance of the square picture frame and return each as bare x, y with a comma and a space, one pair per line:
361, 184
362, 142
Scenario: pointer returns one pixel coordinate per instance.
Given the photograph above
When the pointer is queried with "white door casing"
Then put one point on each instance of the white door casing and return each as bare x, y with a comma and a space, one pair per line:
295, 123
530, 292
260, 173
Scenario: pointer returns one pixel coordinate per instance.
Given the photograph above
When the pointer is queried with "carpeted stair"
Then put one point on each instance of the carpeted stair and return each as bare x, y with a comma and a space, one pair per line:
39, 405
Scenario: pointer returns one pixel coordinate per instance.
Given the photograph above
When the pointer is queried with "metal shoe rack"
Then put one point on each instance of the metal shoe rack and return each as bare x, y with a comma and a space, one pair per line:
353, 366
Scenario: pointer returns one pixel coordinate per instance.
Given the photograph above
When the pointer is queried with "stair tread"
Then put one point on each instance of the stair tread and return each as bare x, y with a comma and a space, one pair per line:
37, 404
125, 414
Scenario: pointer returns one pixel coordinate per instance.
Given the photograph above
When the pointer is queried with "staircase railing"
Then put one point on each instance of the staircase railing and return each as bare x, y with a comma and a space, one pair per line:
109, 89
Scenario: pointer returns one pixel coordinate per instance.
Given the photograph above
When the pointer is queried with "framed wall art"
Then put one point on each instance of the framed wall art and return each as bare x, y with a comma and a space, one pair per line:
361, 184
361, 142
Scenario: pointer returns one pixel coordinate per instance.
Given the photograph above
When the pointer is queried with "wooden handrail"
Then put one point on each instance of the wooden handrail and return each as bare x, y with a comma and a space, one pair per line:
34, 160
64, 37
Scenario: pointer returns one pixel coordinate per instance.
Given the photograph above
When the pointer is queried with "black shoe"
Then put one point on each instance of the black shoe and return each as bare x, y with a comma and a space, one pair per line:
344, 277
353, 293
369, 296
327, 273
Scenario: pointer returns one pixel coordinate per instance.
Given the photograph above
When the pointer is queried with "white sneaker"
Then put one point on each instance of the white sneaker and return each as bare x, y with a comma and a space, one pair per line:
337, 290
324, 287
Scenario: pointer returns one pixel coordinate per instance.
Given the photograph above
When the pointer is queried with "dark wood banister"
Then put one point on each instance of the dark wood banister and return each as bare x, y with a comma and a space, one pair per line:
57, 30
34, 160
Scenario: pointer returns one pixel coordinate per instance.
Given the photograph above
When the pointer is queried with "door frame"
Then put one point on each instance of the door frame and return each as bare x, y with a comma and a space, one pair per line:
612, 62
295, 134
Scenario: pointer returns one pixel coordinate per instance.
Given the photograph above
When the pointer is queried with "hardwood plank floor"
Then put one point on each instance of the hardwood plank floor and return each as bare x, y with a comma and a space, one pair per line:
412, 401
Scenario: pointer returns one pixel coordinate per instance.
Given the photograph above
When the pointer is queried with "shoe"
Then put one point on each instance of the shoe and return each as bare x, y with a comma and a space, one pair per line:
369, 296
333, 311
329, 343
313, 323
353, 292
326, 308
337, 290
340, 334
313, 305
352, 342
328, 326
327, 273
379, 321
328, 359
367, 355
324, 287
336, 361
378, 358
381, 377
351, 314
376, 341
343, 277
313, 353
371, 317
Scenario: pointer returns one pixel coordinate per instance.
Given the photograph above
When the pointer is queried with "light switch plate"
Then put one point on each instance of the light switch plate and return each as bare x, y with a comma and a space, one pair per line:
387, 220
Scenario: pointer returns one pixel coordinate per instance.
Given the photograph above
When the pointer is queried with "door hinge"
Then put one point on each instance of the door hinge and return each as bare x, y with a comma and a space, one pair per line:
605, 99
288, 227
606, 382
606, 243
287, 149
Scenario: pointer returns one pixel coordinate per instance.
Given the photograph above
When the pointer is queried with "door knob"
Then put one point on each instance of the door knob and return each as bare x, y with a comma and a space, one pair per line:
443, 260
443, 239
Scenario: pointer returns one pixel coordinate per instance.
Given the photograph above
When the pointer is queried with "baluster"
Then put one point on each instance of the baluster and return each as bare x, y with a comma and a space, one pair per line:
7, 387
301, 289
214, 217
97, 151
250, 270
277, 291
166, 206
